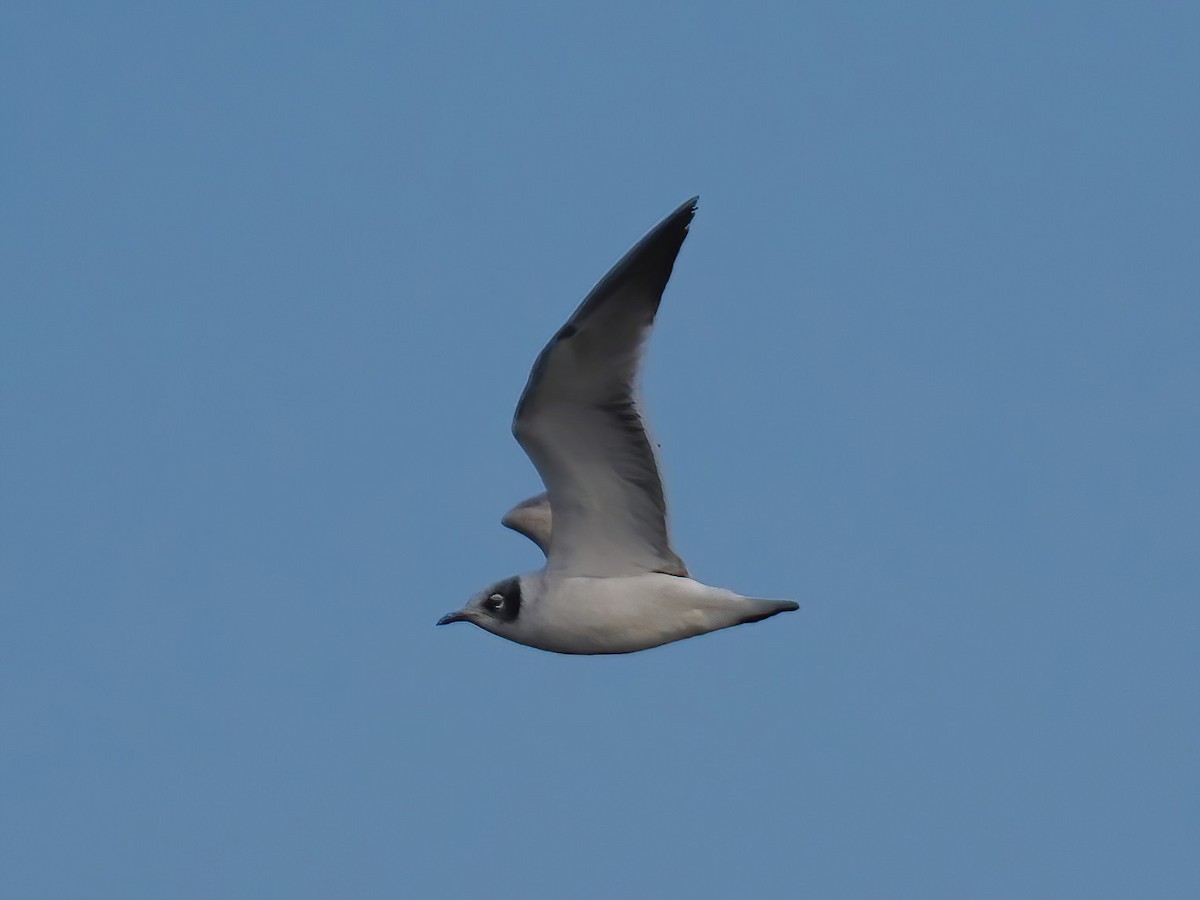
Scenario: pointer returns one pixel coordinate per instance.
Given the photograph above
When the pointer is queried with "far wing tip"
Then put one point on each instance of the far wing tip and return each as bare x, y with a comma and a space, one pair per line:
531, 518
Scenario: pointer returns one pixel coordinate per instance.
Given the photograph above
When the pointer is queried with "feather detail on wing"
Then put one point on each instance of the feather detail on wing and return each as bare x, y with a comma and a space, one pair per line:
578, 420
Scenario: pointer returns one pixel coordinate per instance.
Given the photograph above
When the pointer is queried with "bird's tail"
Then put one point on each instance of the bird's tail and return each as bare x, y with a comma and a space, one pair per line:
764, 609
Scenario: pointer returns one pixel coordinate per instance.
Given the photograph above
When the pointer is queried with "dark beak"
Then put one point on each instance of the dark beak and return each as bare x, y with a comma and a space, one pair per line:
452, 617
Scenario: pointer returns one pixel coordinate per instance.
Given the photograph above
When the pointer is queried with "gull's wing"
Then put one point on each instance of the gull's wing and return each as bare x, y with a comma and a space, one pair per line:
531, 518
578, 421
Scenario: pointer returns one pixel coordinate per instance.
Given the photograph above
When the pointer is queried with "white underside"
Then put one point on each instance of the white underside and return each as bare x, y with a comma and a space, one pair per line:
623, 614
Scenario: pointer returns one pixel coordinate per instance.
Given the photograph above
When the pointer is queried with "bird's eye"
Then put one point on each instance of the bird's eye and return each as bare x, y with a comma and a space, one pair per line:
495, 601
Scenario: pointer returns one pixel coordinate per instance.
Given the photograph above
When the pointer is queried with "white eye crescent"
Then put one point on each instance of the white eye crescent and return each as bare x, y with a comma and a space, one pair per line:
495, 601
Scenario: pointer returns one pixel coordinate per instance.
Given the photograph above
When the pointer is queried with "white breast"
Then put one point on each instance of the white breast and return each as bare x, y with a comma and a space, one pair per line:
624, 614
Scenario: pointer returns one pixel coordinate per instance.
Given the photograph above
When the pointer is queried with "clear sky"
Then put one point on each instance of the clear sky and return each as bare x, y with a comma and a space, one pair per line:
273, 276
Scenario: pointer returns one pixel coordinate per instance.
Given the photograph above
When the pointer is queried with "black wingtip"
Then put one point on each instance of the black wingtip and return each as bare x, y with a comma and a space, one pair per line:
651, 259
686, 211
678, 219
669, 233
646, 266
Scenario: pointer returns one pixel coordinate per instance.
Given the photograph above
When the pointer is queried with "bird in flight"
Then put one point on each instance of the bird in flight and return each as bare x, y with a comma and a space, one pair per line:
611, 583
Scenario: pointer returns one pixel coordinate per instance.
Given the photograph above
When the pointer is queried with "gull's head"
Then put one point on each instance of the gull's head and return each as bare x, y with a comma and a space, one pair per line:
494, 609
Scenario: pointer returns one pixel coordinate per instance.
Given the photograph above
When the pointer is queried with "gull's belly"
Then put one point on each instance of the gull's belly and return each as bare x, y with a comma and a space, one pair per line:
622, 615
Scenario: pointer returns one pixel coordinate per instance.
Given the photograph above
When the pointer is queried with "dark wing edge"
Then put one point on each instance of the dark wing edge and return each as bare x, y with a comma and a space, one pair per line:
650, 261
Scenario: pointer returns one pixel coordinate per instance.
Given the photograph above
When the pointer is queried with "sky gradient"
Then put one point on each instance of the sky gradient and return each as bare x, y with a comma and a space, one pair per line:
273, 279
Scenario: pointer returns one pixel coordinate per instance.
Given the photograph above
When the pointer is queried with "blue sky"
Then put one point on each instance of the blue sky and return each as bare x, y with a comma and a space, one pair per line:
273, 278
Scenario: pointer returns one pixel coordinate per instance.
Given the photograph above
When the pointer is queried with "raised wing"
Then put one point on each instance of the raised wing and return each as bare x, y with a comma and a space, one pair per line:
579, 423
531, 518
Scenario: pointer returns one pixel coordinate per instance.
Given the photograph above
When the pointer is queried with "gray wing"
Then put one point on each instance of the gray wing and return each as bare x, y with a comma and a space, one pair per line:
531, 518
579, 423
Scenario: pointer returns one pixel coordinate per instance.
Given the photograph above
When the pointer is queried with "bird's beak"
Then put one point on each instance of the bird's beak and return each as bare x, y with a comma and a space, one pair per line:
460, 616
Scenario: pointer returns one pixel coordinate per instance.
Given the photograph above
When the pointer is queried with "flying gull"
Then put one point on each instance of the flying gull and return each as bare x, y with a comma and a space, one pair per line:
611, 583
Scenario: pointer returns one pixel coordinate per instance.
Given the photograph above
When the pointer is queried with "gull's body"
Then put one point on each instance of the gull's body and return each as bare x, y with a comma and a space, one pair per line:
623, 613
612, 582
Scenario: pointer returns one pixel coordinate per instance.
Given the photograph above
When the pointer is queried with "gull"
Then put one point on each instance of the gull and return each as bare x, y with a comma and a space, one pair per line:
611, 582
